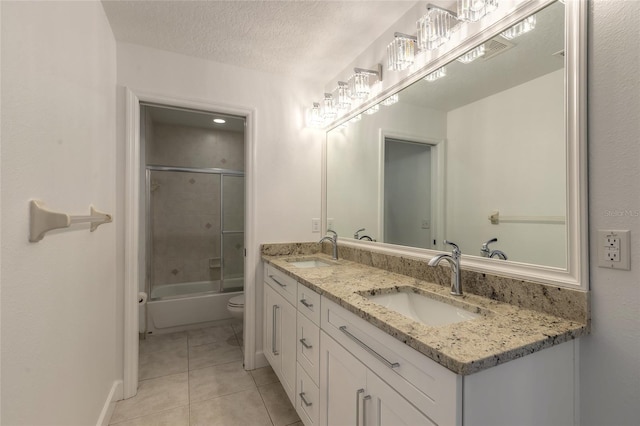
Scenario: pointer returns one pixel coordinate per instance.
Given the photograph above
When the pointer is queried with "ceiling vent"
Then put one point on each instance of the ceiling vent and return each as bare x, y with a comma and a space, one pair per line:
495, 47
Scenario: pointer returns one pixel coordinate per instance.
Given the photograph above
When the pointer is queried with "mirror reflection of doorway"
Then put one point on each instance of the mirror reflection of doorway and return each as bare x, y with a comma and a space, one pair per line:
407, 193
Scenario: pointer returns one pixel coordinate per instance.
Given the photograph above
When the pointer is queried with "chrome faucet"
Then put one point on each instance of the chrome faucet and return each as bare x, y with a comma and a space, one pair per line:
486, 252
454, 263
356, 235
334, 242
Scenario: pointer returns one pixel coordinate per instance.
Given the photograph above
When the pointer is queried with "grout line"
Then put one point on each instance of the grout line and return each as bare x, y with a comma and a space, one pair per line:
265, 406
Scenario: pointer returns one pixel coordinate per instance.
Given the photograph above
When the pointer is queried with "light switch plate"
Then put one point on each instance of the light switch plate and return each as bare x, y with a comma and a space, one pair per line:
315, 225
614, 249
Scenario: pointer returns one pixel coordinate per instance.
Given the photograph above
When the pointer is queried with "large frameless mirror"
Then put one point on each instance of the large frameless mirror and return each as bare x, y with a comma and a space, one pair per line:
489, 155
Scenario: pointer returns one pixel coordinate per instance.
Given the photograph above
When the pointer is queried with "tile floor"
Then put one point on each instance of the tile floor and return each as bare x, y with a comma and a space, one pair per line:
196, 378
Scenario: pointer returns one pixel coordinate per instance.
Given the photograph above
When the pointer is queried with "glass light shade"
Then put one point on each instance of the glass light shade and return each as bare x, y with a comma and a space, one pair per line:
359, 87
314, 116
393, 99
472, 55
474, 10
341, 100
439, 73
372, 110
328, 111
401, 53
520, 28
435, 28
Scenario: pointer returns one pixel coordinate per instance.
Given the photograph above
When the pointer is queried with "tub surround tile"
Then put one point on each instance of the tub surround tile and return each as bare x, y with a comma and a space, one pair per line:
237, 409
278, 405
153, 396
504, 332
216, 353
157, 364
173, 417
219, 380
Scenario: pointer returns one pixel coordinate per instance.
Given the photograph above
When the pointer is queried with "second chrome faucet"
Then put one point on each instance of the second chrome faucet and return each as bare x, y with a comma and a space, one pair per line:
333, 239
454, 263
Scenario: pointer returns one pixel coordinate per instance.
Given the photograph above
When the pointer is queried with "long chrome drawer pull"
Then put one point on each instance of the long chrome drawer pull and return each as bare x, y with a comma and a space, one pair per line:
277, 282
364, 409
305, 303
358, 392
305, 344
273, 333
368, 349
307, 403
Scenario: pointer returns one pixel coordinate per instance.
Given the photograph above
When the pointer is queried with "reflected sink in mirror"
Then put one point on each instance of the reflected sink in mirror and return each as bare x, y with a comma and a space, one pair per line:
422, 308
309, 263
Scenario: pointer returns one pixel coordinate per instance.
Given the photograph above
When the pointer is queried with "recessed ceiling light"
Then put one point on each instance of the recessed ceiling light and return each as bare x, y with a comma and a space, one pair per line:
219, 121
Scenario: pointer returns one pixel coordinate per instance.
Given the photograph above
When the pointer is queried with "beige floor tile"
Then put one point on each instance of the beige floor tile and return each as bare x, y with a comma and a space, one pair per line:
238, 409
223, 379
205, 336
280, 410
297, 423
158, 364
174, 417
163, 342
153, 396
213, 354
264, 375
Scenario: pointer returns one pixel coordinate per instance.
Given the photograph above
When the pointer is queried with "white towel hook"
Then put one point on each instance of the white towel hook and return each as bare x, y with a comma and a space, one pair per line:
43, 220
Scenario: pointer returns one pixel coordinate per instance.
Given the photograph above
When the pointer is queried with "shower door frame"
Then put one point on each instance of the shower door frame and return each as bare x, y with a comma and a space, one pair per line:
149, 279
133, 264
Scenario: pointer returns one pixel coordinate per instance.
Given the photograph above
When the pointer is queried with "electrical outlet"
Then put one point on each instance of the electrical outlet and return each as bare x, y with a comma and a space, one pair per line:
315, 225
614, 249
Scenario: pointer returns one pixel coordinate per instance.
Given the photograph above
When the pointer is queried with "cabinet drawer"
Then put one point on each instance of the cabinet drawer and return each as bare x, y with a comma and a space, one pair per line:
423, 382
309, 303
281, 283
307, 399
308, 344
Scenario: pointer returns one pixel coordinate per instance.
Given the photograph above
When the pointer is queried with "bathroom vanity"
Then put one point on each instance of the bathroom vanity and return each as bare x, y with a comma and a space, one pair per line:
345, 359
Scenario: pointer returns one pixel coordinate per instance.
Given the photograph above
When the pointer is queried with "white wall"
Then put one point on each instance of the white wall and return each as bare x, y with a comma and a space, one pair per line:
509, 154
287, 154
59, 357
610, 357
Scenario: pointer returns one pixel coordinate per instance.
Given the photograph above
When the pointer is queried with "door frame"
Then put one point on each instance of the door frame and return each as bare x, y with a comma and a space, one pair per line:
133, 264
438, 180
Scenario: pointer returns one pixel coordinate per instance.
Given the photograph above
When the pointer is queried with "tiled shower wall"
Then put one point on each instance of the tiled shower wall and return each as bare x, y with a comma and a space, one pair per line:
185, 206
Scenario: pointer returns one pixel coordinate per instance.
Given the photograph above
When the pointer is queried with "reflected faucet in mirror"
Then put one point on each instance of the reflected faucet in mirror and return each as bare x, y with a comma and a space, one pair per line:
357, 235
454, 263
491, 254
333, 239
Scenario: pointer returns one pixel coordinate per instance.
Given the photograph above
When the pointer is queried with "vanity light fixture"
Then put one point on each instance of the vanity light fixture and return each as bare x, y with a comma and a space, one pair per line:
439, 73
360, 82
393, 99
373, 109
341, 100
435, 28
520, 28
328, 111
474, 10
219, 121
314, 116
472, 55
401, 52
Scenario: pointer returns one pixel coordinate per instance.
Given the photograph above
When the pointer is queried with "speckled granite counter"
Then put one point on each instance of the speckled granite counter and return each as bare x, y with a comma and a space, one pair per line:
503, 332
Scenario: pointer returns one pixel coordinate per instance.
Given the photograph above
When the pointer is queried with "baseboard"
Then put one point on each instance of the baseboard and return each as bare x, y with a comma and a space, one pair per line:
110, 404
260, 360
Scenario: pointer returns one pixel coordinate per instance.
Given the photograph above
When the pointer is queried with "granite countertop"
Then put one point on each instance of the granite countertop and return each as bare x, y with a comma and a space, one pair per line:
503, 332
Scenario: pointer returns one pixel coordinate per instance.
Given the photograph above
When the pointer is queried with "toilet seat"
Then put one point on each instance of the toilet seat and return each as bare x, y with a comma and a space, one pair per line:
236, 301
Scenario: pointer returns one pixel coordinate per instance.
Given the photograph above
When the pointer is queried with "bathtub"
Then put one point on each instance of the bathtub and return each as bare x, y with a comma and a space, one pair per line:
174, 307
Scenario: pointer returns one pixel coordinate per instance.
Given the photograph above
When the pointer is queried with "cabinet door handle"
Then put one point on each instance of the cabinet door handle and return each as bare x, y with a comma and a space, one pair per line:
305, 344
358, 393
364, 346
273, 332
364, 409
277, 282
307, 403
305, 303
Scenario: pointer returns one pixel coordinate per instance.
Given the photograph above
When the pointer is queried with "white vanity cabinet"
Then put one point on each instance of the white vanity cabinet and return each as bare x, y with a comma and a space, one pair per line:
280, 327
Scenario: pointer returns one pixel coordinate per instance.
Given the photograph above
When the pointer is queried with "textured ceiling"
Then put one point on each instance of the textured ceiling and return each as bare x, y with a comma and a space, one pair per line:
309, 39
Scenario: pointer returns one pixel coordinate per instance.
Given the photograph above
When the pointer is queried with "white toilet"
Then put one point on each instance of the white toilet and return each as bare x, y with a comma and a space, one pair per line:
235, 306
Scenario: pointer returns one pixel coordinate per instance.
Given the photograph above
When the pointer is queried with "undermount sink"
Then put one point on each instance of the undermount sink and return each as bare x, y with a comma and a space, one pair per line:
423, 309
309, 263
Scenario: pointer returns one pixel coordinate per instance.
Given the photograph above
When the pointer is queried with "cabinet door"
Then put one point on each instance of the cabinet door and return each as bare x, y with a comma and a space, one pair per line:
286, 336
342, 385
388, 408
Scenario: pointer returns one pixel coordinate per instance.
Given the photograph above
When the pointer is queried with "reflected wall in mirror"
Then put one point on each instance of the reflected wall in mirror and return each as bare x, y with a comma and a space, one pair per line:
489, 136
